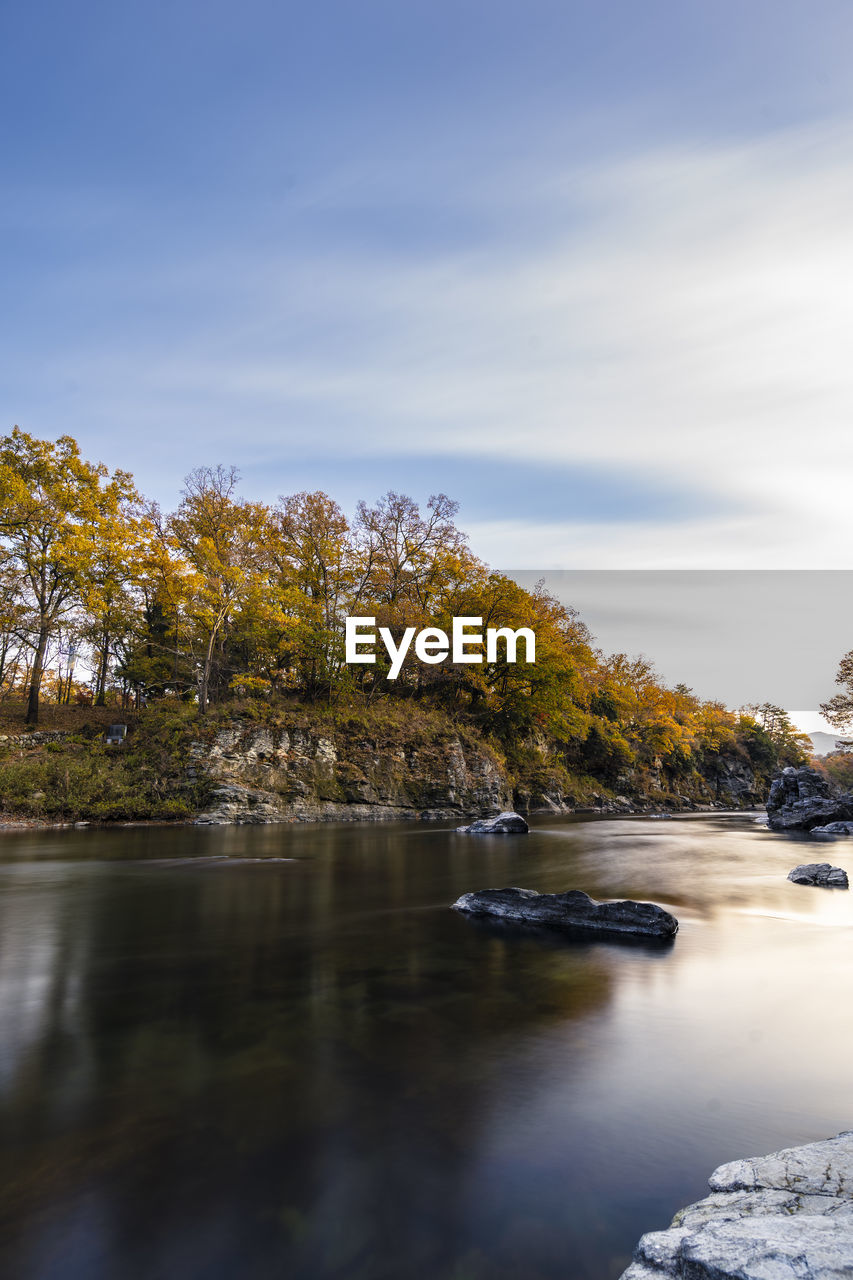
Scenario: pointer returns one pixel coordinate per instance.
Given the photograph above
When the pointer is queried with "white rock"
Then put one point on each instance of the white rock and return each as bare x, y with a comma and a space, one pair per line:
785, 1216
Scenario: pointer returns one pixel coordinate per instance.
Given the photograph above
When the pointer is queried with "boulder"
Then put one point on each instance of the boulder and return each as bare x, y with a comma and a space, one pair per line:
572, 910
506, 823
801, 799
786, 1215
834, 829
823, 874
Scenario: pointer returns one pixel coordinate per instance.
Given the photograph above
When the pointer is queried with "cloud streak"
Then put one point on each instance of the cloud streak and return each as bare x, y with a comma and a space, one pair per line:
681, 313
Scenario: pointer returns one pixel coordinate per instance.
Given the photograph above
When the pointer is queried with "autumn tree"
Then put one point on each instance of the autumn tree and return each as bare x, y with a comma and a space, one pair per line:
14, 623
114, 547
412, 565
314, 575
789, 745
50, 498
550, 695
404, 553
220, 539
839, 709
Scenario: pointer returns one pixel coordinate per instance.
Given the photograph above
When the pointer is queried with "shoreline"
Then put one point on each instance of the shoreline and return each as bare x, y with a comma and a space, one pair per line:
771, 1214
11, 823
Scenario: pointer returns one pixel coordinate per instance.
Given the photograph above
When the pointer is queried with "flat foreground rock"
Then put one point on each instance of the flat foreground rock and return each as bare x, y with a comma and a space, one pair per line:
823, 874
786, 1215
505, 824
572, 910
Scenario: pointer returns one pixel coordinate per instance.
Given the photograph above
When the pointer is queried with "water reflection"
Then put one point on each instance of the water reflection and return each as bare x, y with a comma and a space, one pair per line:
313, 1068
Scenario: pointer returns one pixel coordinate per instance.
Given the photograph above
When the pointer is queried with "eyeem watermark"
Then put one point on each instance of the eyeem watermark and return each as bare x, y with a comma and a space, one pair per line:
432, 645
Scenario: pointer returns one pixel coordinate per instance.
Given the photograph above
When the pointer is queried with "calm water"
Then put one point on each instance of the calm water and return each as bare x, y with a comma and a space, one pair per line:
312, 1068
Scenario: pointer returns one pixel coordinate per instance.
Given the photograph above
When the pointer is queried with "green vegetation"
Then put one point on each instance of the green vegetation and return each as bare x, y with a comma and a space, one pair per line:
839, 712
839, 709
79, 777
227, 606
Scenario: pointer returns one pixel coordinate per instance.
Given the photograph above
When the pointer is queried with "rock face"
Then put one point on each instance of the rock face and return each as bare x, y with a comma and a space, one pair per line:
735, 782
823, 874
241, 805
801, 799
506, 823
572, 910
265, 774
786, 1216
298, 771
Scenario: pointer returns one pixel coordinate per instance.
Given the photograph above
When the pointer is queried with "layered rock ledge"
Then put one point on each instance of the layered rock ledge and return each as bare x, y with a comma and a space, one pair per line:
822, 874
272, 774
785, 1216
572, 910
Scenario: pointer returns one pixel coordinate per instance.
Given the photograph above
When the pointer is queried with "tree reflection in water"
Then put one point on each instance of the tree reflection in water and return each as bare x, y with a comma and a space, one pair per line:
315, 1069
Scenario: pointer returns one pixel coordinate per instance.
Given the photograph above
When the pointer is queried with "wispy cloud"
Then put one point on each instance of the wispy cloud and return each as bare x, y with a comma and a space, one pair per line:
682, 313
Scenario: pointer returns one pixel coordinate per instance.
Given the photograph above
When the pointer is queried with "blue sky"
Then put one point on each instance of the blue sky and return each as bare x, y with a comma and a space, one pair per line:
584, 267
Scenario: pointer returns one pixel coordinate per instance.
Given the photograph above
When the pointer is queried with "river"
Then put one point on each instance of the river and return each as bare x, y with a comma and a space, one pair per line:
220, 1069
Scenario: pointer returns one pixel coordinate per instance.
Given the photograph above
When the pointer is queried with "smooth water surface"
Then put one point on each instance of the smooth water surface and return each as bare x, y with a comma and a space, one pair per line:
221, 1069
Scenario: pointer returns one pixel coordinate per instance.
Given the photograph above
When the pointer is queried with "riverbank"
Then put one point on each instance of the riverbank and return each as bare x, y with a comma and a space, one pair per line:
304, 762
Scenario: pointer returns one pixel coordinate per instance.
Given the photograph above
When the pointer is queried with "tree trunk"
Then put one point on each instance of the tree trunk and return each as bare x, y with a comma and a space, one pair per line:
101, 696
36, 676
205, 676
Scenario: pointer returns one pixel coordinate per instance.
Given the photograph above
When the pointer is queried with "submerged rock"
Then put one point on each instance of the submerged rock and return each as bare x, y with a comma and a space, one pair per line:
801, 799
506, 823
789, 1214
572, 910
823, 874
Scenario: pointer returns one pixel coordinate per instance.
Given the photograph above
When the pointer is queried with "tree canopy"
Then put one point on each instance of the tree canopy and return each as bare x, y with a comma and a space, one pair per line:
225, 597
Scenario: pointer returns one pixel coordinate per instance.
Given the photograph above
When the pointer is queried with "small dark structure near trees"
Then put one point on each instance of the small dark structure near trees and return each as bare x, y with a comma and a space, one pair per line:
115, 735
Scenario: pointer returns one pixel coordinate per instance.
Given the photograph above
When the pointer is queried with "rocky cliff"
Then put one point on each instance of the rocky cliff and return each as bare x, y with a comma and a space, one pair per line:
264, 774
291, 772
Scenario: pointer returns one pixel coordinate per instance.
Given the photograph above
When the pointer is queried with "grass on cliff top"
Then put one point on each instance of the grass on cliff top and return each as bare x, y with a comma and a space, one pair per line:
386, 722
81, 778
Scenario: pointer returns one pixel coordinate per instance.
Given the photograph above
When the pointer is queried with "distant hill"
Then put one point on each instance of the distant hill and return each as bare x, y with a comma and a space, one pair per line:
824, 743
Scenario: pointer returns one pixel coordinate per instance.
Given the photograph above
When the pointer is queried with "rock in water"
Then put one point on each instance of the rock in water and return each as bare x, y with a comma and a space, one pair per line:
823, 874
801, 799
572, 910
834, 829
786, 1215
507, 823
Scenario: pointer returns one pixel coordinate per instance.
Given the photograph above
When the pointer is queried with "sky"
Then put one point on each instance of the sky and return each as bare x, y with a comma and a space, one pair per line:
739, 636
584, 267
